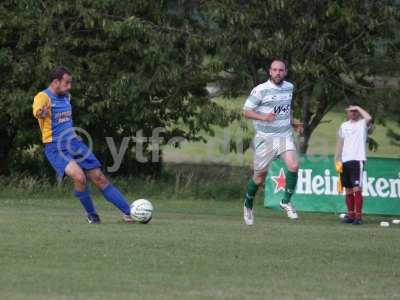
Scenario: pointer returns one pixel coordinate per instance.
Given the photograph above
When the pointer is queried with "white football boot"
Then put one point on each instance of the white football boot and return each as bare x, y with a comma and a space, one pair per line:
248, 216
290, 210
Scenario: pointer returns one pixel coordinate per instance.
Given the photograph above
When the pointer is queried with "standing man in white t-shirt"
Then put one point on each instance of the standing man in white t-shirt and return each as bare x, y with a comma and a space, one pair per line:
270, 107
350, 157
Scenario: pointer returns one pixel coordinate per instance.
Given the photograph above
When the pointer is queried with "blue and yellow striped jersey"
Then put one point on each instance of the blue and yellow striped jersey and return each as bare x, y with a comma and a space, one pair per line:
57, 124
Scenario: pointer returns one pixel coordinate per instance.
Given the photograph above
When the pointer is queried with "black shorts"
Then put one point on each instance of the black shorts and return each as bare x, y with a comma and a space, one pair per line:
352, 173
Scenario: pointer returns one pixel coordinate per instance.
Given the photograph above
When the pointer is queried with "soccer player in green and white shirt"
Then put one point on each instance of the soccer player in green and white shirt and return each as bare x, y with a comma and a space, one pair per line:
269, 106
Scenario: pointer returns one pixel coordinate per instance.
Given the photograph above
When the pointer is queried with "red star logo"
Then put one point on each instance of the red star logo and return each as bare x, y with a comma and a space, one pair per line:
280, 181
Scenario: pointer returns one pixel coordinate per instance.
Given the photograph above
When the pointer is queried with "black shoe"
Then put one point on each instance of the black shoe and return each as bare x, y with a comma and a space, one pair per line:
347, 220
93, 219
357, 222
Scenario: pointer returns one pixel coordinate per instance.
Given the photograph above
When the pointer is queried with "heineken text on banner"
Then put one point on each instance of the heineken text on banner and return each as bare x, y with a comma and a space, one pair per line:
317, 186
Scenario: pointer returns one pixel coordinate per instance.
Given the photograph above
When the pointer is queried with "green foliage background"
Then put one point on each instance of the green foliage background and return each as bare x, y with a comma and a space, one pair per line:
138, 65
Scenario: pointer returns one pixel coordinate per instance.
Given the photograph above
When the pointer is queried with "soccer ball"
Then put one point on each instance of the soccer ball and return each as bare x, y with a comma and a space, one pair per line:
142, 211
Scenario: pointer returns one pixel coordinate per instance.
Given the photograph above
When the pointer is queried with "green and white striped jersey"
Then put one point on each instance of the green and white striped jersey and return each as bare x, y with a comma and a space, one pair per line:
269, 97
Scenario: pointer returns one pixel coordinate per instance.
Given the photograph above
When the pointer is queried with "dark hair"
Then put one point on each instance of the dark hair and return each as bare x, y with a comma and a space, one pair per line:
58, 73
352, 103
280, 60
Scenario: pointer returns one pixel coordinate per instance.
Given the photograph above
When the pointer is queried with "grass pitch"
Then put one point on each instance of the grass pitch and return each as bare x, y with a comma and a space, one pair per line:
191, 250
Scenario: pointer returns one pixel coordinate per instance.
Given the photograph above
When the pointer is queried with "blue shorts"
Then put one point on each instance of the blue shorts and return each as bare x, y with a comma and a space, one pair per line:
60, 154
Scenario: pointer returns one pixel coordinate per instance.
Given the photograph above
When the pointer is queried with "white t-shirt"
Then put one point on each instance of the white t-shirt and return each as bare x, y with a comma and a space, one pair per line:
354, 134
269, 97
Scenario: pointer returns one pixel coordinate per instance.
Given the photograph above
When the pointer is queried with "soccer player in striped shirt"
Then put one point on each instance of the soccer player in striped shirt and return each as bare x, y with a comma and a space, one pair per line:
269, 106
66, 152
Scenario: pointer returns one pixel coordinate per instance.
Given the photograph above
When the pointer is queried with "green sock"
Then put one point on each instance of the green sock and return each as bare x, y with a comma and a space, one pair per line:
291, 181
252, 188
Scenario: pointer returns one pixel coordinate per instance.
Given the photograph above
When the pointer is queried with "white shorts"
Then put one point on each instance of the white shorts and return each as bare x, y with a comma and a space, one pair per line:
267, 149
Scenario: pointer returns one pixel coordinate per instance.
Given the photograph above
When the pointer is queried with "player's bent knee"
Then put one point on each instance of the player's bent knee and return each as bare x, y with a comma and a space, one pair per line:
259, 178
102, 180
349, 191
79, 177
99, 179
293, 167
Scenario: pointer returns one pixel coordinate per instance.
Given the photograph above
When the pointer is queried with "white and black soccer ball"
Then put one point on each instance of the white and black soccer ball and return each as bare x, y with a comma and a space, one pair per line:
142, 211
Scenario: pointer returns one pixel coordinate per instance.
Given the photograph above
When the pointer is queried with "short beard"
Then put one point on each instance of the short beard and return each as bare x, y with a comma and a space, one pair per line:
277, 83
60, 93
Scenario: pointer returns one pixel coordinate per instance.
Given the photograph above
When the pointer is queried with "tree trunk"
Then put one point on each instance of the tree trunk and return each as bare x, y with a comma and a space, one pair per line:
312, 120
4, 157
4, 170
253, 72
305, 114
303, 143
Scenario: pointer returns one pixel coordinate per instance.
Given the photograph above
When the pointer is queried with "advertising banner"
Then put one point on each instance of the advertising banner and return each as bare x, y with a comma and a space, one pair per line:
316, 189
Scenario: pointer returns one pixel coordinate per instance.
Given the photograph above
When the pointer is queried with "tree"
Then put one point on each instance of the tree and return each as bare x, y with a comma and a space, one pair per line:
137, 65
387, 79
328, 45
